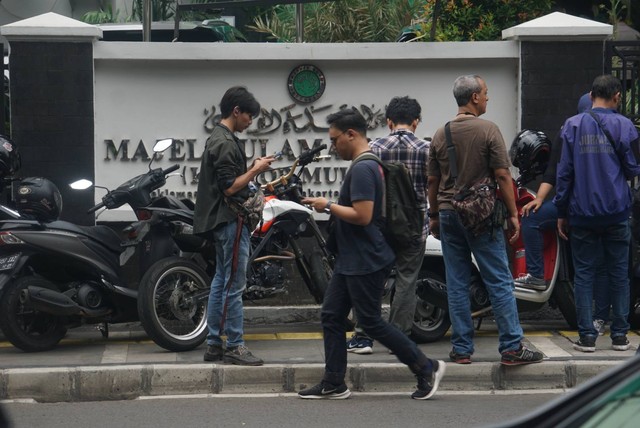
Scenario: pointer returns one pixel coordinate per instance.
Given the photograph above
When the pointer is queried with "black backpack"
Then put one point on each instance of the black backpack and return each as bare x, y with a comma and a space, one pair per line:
403, 218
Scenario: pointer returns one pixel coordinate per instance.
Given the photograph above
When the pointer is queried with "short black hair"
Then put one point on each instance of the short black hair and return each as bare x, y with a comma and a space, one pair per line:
403, 110
606, 86
348, 118
238, 96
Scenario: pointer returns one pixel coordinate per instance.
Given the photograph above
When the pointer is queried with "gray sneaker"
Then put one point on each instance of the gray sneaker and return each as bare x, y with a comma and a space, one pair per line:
241, 356
532, 282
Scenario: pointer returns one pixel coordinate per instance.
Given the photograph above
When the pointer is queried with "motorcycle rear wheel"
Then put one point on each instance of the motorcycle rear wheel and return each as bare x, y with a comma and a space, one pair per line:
167, 313
566, 302
430, 322
25, 327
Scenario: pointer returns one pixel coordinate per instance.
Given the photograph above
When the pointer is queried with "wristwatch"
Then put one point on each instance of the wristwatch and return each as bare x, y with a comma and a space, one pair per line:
433, 215
327, 208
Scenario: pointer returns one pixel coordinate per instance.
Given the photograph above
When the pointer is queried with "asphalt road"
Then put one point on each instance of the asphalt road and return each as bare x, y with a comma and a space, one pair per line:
360, 411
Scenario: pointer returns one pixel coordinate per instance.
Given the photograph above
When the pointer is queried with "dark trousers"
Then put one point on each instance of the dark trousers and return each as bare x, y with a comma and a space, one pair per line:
364, 294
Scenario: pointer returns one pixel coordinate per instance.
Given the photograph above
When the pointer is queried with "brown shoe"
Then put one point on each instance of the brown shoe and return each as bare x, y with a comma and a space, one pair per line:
241, 356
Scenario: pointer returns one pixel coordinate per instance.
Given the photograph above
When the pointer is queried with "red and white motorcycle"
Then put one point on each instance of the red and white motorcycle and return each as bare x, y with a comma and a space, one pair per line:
276, 239
432, 314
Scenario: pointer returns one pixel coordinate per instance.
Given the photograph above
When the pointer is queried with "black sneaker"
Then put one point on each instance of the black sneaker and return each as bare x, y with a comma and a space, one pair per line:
620, 343
241, 356
325, 390
459, 358
213, 353
522, 356
585, 344
428, 384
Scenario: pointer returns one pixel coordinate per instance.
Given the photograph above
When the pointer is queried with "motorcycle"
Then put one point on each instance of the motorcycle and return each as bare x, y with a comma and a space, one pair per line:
432, 314
55, 275
10, 163
276, 238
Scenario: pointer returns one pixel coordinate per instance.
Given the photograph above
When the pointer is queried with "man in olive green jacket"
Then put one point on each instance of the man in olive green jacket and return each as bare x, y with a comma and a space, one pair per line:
224, 174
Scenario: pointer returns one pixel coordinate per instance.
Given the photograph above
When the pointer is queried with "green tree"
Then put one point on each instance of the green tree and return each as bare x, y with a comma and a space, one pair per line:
101, 16
476, 20
341, 21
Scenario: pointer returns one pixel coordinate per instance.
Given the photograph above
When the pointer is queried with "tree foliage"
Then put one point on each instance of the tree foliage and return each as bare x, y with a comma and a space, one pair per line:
341, 21
476, 20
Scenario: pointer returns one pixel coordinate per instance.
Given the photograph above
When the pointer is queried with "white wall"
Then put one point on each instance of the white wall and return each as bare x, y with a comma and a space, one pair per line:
144, 92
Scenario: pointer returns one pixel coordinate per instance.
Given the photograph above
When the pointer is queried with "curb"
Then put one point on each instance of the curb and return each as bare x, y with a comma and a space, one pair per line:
97, 383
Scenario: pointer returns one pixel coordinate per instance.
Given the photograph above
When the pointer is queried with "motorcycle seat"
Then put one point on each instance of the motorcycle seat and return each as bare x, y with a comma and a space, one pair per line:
102, 234
105, 235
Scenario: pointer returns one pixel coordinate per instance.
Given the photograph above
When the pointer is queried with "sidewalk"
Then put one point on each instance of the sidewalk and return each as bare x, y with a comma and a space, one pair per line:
86, 367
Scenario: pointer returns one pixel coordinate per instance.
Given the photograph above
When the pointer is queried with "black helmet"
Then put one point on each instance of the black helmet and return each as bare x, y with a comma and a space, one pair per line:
530, 151
39, 198
9, 157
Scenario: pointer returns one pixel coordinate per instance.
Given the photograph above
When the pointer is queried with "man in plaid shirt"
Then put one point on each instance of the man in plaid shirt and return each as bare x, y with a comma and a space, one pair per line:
403, 116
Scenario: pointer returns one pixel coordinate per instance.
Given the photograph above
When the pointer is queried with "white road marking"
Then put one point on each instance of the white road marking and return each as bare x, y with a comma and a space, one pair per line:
547, 347
115, 353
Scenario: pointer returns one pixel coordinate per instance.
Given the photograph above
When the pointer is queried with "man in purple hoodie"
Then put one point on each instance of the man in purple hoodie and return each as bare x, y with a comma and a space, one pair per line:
594, 199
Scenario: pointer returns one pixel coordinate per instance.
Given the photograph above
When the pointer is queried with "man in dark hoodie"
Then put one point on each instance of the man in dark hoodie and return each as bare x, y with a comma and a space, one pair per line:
594, 199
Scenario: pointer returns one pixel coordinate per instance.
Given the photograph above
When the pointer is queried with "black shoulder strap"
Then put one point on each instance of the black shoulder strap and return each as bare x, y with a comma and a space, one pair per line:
374, 157
451, 152
367, 156
607, 134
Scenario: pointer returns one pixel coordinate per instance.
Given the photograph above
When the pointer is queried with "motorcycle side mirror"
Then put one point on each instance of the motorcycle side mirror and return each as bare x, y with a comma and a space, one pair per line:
162, 145
81, 184
159, 147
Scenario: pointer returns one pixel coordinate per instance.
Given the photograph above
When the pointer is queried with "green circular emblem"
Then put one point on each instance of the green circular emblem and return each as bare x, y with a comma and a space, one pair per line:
306, 83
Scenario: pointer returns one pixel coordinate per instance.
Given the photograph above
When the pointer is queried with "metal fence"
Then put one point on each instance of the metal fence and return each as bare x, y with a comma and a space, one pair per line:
622, 59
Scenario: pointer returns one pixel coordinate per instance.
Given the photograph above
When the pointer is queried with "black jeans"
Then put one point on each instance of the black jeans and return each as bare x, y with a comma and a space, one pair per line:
364, 294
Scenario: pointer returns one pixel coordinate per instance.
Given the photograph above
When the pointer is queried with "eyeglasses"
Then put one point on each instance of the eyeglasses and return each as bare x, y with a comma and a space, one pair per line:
334, 139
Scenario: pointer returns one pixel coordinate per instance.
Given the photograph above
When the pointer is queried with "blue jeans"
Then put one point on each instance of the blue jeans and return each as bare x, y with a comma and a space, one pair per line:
614, 241
547, 218
403, 305
491, 257
601, 296
224, 237
532, 226
364, 294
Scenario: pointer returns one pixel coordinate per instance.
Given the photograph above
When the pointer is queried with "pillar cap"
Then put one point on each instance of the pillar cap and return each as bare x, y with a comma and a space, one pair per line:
558, 26
50, 27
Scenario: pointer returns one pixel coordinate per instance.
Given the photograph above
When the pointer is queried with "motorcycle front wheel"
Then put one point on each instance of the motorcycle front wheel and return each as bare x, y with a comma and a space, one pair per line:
430, 323
25, 327
169, 314
320, 271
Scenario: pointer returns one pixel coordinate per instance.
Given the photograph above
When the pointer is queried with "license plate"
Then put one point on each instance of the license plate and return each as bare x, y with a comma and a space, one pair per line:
8, 262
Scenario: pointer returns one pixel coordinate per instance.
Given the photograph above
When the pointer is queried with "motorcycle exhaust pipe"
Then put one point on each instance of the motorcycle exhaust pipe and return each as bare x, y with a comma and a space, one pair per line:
55, 303
433, 292
286, 255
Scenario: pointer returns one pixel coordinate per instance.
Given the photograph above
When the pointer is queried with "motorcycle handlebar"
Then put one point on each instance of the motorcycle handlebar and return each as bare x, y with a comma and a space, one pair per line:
304, 159
171, 169
95, 208
136, 191
307, 157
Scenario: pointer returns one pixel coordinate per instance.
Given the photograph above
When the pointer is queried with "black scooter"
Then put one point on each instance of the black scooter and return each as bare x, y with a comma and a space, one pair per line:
56, 275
